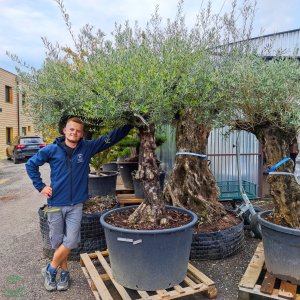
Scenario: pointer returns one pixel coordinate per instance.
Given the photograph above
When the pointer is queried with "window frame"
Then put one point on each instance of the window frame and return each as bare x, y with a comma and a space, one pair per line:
8, 94
9, 135
24, 131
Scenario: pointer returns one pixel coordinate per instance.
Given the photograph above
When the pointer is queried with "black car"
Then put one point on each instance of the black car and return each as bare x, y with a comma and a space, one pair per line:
24, 147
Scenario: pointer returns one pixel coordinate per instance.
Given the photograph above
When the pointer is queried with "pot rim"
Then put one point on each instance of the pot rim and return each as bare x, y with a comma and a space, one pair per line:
127, 162
149, 232
108, 173
241, 224
274, 226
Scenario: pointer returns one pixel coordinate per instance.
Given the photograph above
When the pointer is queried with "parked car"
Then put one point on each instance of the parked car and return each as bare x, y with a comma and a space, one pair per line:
24, 147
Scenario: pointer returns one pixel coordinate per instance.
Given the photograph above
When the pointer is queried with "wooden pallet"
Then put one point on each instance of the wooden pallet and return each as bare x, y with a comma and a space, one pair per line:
104, 286
128, 199
257, 283
121, 189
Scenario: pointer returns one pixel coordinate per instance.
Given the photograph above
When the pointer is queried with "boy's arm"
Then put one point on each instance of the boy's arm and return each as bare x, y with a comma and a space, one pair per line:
32, 168
106, 141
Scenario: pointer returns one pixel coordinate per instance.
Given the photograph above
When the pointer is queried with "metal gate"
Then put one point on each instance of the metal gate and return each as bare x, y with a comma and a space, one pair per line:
222, 155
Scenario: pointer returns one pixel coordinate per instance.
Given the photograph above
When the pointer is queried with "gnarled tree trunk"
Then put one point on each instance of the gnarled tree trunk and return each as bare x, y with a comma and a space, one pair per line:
284, 189
153, 207
191, 183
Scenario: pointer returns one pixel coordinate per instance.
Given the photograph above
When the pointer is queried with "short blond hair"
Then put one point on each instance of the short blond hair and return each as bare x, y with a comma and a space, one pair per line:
76, 120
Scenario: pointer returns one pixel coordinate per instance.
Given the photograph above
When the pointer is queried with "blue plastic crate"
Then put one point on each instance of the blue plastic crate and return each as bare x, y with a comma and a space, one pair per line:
230, 190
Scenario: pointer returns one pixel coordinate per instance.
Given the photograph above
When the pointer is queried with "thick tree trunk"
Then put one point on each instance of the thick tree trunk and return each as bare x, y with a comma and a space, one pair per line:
191, 183
284, 189
153, 207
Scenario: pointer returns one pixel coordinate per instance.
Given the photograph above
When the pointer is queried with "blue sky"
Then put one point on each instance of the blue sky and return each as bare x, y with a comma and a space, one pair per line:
24, 22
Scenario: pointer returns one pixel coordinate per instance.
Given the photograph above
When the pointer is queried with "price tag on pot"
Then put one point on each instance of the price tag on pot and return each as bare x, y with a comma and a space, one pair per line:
129, 240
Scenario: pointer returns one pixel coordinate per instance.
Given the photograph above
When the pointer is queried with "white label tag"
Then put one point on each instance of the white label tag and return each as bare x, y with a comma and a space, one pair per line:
125, 240
137, 242
129, 240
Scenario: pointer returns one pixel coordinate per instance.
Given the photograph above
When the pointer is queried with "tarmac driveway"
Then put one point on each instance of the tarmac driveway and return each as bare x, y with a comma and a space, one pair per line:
21, 256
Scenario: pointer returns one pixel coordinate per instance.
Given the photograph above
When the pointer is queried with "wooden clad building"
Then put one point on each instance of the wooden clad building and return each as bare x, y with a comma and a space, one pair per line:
13, 121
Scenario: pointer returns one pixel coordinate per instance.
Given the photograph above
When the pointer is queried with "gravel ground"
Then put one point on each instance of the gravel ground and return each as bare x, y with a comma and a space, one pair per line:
21, 256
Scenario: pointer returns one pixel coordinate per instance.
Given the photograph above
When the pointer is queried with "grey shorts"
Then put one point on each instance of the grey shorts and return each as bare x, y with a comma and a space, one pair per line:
64, 225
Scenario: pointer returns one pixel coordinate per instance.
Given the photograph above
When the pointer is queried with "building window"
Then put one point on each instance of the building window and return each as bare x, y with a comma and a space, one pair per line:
8, 94
24, 131
23, 99
29, 128
9, 135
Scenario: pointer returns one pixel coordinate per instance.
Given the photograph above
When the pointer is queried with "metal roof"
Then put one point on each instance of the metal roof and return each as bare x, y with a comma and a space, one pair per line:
285, 43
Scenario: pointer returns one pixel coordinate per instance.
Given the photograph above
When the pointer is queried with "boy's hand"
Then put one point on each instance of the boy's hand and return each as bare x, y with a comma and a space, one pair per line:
47, 191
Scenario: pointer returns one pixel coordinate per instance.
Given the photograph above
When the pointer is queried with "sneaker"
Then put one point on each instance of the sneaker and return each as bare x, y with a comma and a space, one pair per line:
64, 281
49, 279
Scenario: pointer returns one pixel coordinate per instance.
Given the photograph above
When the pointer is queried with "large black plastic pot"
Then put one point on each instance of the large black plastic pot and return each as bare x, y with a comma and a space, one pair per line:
282, 249
109, 167
92, 235
103, 184
138, 186
149, 259
126, 168
217, 244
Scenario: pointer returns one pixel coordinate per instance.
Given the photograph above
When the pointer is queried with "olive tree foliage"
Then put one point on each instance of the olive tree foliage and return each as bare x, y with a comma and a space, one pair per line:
57, 89
140, 75
150, 62
266, 102
265, 92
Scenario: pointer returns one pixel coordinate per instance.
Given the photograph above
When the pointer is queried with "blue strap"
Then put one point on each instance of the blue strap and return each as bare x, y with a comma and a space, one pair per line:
194, 154
279, 164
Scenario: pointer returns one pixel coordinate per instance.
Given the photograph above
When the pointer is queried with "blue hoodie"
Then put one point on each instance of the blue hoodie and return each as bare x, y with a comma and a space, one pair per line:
69, 176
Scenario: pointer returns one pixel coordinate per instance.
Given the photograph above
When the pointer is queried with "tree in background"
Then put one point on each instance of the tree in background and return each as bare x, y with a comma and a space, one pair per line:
266, 103
191, 183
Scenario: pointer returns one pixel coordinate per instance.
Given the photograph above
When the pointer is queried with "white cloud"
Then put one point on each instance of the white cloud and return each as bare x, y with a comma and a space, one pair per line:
23, 23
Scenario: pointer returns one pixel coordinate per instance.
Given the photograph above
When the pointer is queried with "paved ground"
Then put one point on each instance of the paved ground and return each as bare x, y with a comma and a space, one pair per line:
21, 256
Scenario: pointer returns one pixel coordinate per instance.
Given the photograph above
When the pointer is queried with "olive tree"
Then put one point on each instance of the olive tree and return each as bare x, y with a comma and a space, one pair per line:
191, 183
158, 74
266, 97
129, 78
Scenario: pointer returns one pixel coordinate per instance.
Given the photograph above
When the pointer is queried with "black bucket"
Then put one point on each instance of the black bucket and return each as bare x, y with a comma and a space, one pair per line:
218, 244
126, 168
103, 184
149, 260
110, 167
282, 249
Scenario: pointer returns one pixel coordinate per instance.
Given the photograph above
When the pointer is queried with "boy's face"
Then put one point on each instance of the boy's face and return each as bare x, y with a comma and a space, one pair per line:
73, 132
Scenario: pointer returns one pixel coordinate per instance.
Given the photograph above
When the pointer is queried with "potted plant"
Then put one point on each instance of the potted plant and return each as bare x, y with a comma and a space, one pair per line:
266, 100
142, 95
103, 180
219, 233
128, 158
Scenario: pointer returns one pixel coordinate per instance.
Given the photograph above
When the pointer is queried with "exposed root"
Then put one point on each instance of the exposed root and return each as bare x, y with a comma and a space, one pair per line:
147, 213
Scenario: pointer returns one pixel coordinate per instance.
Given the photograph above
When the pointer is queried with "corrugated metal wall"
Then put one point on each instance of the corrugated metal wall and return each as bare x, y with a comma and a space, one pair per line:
221, 145
287, 42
